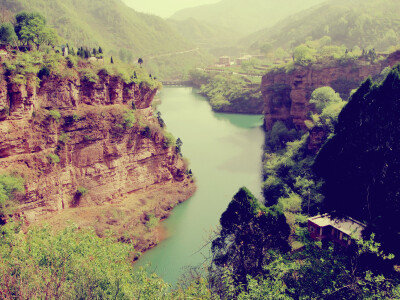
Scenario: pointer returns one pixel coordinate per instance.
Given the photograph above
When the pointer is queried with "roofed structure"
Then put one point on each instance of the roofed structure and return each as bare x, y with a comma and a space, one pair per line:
340, 231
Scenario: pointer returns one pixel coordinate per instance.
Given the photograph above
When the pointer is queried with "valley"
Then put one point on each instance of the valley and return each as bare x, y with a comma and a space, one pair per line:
266, 167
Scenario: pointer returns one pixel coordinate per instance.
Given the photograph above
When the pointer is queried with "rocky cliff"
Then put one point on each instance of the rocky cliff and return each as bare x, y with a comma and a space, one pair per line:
286, 95
80, 145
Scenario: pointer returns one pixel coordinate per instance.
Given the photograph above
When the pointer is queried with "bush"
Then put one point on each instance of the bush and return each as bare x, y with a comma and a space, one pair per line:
169, 139
71, 264
82, 191
19, 79
146, 132
72, 61
152, 221
53, 158
55, 114
9, 185
129, 119
44, 71
63, 138
324, 96
277, 138
89, 75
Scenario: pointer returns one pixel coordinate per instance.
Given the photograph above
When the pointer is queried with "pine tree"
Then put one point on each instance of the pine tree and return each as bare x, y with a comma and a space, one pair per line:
249, 230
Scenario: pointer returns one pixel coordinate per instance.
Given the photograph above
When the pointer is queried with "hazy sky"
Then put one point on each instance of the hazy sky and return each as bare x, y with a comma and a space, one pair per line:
164, 8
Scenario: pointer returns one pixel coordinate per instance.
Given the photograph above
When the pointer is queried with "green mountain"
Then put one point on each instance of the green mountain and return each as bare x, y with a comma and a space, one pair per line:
362, 23
203, 34
244, 16
112, 25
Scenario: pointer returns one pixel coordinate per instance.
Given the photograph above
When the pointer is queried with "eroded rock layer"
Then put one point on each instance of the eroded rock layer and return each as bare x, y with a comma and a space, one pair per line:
66, 135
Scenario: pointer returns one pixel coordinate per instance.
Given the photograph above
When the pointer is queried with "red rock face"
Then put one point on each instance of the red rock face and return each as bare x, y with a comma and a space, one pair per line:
96, 150
286, 96
317, 138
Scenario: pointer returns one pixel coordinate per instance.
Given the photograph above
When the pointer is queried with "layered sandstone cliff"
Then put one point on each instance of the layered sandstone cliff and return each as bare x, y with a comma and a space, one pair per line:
286, 95
69, 134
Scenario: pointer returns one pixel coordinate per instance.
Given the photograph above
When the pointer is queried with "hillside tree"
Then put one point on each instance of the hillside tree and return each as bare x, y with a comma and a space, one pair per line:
31, 28
8, 35
249, 230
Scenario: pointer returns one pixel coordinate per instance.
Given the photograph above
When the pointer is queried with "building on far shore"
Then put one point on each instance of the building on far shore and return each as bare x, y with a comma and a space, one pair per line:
242, 59
225, 60
339, 231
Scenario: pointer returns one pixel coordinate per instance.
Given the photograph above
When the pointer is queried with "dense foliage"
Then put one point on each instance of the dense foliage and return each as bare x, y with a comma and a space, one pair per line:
249, 231
360, 164
315, 273
229, 93
76, 264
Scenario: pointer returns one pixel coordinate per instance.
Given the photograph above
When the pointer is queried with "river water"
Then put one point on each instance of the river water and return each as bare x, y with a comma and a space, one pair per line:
224, 151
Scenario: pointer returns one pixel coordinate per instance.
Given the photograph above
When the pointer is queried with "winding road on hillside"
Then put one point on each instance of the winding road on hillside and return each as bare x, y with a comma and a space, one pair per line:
173, 53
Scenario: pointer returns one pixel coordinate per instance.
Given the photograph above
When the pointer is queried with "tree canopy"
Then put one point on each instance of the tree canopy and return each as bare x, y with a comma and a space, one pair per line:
248, 231
31, 28
7, 34
360, 164
324, 96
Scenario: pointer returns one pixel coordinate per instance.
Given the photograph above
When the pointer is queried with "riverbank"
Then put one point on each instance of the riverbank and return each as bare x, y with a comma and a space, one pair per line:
134, 218
230, 93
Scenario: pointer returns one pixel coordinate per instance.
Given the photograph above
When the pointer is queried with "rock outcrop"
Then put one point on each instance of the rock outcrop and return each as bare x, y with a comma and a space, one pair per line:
70, 134
286, 95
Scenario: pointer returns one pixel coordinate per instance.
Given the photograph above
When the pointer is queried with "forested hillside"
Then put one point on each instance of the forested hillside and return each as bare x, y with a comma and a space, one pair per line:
242, 16
204, 34
120, 30
362, 23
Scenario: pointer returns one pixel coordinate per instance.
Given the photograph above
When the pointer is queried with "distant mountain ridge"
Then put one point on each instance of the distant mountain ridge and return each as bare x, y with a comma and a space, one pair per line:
204, 34
245, 16
362, 23
107, 22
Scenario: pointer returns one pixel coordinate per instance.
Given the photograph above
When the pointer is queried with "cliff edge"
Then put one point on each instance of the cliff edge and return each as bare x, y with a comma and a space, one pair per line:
87, 148
286, 94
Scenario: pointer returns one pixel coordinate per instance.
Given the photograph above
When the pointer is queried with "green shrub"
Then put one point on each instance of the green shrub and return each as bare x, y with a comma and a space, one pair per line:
44, 71
19, 79
169, 140
89, 75
55, 114
53, 158
82, 191
63, 138
72, 61
146, 132
71, 264
9, 185
129, 119
152, 221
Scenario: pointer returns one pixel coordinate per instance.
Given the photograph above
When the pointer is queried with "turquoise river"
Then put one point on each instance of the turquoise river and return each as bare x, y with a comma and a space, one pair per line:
224, 151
